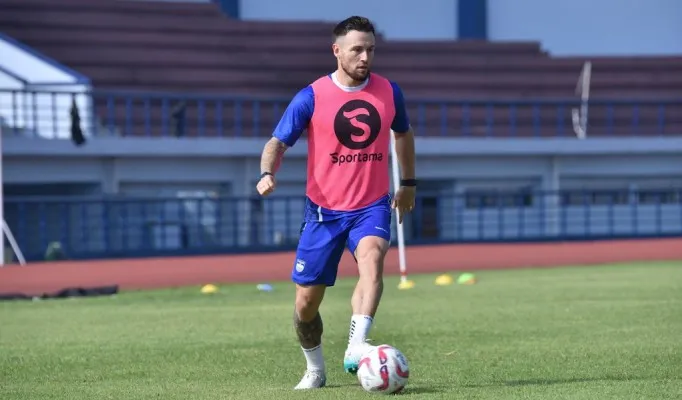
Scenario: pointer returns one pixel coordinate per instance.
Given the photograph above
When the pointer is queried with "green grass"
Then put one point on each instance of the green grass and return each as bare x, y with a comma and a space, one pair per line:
608, 332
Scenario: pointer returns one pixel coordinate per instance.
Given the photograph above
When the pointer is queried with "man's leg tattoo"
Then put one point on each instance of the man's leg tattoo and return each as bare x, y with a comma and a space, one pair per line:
309, 333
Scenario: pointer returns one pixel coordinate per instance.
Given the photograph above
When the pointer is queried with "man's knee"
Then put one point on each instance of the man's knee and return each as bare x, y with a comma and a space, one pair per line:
308, 300
370, 255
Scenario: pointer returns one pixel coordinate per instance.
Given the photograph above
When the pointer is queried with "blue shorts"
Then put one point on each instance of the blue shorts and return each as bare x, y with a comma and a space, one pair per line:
325, 234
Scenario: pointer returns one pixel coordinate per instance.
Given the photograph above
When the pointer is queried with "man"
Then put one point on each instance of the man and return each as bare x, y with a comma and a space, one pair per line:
349, 115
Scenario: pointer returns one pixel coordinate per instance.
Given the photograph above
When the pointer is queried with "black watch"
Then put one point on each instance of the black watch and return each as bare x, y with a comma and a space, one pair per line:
264, 174
408, 182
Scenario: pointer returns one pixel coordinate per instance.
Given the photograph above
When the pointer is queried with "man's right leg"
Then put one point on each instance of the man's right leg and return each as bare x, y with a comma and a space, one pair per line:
317, 258
309, 328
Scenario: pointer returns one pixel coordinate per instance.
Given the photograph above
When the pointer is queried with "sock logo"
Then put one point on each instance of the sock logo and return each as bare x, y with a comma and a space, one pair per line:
351, 332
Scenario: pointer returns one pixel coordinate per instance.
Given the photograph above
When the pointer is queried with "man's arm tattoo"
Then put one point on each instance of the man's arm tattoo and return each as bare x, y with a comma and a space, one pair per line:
309, 333
272, 155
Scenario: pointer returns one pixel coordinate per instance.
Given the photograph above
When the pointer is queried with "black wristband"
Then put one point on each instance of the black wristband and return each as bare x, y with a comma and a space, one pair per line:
264, 174
408, 182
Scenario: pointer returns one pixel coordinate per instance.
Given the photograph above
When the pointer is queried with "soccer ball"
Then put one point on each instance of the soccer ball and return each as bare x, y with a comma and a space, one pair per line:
383, 370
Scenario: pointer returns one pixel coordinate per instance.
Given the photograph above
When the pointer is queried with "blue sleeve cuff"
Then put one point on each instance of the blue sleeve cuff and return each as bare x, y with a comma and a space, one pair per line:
401, 122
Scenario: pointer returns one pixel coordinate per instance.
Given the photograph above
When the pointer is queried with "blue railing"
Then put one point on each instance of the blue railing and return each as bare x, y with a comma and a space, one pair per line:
96, 227
128, 113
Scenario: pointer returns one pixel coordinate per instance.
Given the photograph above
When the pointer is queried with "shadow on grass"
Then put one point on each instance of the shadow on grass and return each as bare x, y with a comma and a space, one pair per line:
416, 390
341, 385
547, 382
408, 391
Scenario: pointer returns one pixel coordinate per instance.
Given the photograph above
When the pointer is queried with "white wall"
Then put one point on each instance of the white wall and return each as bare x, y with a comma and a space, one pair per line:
29, 67
8, 82
43, 114
575, 27
583, 27
404, 19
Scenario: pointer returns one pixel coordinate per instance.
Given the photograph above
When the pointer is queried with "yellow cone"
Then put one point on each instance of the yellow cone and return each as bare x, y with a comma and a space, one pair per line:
444, 280
207, 289
406, 284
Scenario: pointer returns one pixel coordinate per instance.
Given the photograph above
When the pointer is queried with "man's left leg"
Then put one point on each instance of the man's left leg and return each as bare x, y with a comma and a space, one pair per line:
368, 241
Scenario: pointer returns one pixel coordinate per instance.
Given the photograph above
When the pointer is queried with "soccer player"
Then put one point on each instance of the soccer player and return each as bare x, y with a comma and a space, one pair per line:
349, 115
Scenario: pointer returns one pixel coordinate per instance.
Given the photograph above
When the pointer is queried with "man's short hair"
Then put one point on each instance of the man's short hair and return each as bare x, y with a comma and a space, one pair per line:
354, 23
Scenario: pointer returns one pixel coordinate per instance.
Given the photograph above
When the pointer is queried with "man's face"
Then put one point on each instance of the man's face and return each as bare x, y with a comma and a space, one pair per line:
355, 52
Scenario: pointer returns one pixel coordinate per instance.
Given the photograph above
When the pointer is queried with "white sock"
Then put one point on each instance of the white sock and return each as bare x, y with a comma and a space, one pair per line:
314, 358
359, 328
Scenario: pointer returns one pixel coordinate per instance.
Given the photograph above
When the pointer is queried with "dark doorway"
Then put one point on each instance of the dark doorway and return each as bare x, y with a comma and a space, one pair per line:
426, 224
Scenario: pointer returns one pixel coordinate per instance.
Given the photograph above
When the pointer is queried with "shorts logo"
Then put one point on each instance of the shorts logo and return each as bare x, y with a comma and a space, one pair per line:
357, 124
300, 265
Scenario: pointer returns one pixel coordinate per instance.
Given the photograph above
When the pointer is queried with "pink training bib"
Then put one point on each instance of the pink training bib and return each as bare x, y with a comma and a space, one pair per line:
348, 144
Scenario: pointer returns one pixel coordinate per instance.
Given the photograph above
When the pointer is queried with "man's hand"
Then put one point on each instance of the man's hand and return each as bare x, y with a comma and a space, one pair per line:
266, 185
403, 201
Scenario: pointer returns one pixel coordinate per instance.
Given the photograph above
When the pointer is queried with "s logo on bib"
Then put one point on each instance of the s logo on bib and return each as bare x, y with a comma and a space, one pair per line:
357, 124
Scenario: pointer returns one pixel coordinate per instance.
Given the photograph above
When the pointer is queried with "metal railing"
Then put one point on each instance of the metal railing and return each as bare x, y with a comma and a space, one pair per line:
147, 114
124, 226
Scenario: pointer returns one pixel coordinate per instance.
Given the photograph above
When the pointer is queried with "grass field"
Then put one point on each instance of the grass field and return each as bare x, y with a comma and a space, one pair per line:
607, 332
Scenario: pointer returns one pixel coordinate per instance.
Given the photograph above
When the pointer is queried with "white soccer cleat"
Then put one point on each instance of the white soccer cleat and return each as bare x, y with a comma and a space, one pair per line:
353, 355
312, 380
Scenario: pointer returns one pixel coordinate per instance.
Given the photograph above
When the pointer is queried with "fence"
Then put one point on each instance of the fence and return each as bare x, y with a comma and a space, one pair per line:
95, 227
126, 114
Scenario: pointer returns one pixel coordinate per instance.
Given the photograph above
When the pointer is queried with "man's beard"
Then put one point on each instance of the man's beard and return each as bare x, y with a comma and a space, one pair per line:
357, 76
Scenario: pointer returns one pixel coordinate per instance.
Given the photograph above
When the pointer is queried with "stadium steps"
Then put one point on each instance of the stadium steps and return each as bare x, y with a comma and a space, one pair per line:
195, 48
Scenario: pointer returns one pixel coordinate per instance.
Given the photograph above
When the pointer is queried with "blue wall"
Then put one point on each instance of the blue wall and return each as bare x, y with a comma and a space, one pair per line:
472, 19
124, 226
